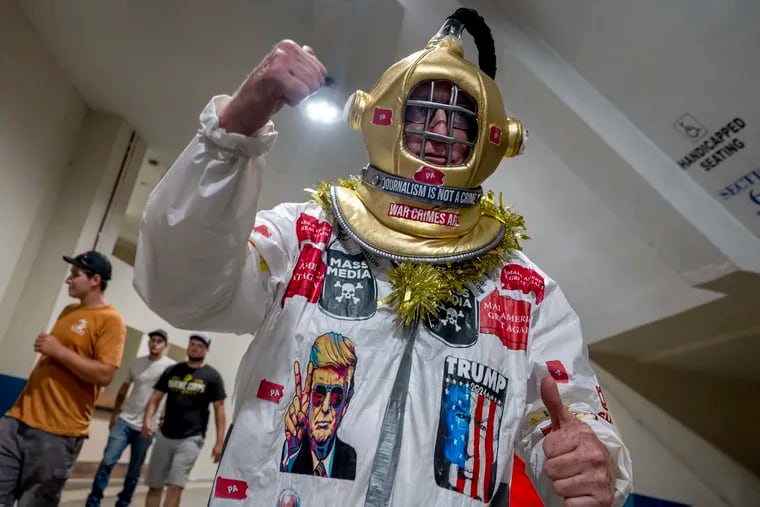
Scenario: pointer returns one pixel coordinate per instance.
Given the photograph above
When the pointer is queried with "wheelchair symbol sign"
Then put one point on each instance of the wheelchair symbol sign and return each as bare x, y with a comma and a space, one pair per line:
690, 128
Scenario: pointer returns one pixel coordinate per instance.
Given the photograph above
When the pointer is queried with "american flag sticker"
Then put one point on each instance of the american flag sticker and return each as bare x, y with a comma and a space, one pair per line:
467, 444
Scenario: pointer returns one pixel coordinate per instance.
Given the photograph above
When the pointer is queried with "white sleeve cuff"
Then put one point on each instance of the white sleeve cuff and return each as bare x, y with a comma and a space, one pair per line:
251, 147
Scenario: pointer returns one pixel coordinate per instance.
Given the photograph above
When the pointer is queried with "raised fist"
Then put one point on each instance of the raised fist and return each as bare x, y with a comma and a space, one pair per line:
287, 75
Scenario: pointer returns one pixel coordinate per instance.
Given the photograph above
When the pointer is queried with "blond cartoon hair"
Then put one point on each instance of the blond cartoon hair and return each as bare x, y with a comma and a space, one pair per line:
337, 351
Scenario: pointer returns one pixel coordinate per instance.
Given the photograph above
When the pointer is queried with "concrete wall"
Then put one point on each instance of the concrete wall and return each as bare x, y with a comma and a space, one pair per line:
672, 462
59, 163
41, 115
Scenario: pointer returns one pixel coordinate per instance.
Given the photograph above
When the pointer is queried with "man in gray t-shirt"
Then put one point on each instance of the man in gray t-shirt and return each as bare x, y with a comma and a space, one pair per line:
126, 423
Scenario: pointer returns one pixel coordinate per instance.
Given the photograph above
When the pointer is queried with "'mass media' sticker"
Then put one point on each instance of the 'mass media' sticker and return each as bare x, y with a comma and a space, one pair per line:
456, 323
350, 290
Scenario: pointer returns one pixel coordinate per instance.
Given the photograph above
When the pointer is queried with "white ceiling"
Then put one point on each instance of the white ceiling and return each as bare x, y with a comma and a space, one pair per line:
618, 247
656, 61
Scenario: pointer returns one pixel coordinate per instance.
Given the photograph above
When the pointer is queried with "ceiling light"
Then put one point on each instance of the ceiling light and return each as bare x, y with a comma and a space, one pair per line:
322, 109
323, 106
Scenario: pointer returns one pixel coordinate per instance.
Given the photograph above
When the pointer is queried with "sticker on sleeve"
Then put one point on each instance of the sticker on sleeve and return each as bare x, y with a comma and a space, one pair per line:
467, 443
312, 229
507, 318
516, 277
456, 323
349, 291
233, 489
604, 414
557, 371
263, 230
270, 391
538, 416
308, 275
585, 416
322, 395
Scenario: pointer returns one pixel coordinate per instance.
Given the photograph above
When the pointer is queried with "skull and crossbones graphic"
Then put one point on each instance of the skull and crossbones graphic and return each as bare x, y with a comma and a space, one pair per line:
452, 318
348, 291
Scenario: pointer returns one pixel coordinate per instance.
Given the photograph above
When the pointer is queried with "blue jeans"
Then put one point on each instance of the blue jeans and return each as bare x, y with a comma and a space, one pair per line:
120, 437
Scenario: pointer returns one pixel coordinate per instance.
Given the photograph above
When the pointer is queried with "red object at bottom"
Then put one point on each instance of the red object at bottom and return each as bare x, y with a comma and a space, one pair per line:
521, 492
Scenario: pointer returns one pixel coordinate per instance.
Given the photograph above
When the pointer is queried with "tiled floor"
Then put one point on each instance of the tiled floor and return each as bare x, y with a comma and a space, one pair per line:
195, 495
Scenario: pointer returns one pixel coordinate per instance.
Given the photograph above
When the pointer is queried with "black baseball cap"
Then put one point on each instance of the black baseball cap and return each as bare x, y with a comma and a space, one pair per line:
206, 339
92, 261
160, 332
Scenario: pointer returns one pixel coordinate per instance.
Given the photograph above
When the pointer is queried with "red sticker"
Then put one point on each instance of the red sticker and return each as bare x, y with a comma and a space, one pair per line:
382, 116
429, 175
428, 216
310, 228
308, 275
507, 318
601, 397
606, 416
516, 277
558, 371
546, 430
230, 488
263, 230
494, 135
270, 391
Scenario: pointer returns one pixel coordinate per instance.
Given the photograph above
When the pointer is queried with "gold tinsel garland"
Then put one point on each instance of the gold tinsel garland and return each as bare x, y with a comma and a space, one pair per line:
418, 289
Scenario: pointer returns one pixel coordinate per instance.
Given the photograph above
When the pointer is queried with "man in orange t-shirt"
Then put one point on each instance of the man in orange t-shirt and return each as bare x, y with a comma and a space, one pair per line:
42, 434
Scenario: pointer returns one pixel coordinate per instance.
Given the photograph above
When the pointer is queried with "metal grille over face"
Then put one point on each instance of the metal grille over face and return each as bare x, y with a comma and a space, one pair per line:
440, 123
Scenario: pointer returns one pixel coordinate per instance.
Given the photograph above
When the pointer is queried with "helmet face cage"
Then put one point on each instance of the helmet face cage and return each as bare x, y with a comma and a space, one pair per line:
461, 114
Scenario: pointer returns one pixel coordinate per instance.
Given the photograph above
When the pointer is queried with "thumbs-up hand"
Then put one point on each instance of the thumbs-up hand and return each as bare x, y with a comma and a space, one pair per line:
577, 462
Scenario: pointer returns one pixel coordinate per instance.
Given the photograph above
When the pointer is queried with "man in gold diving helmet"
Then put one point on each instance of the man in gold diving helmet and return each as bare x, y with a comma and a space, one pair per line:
407, 279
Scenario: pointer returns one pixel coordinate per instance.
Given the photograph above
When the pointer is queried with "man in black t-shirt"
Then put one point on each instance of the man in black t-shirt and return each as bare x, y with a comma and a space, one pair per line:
189, 387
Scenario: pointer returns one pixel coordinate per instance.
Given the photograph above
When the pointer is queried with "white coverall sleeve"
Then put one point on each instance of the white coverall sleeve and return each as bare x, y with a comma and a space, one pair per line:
195, 265
556, 342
